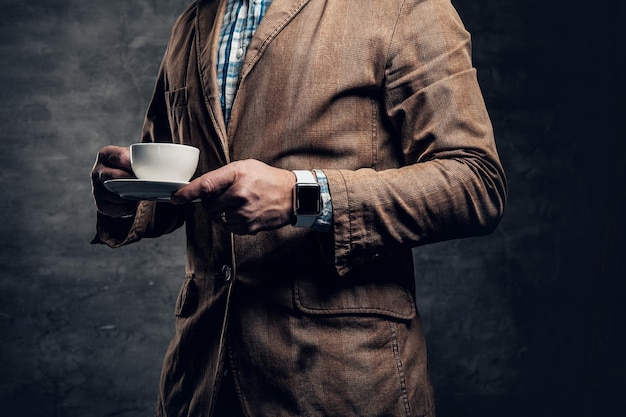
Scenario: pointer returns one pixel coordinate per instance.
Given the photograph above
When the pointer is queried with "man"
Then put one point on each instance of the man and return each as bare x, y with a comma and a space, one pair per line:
306, 307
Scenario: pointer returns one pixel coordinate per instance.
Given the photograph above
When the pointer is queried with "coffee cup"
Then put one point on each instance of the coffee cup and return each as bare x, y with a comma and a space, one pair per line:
163, 161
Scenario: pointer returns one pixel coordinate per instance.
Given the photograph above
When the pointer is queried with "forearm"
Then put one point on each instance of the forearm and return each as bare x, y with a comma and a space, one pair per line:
379, 213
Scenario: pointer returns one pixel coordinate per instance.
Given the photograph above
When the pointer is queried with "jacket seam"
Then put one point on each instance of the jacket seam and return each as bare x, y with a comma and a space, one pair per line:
400, 368
393, 34
348, 310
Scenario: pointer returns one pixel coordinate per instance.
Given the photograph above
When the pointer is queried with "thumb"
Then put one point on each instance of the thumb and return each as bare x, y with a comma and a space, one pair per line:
210, 184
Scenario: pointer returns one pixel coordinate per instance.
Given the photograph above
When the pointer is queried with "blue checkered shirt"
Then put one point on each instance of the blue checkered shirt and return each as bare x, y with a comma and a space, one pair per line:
241, 19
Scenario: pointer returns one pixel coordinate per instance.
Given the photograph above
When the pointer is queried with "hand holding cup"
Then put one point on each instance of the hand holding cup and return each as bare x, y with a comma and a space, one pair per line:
143, 165
112, 162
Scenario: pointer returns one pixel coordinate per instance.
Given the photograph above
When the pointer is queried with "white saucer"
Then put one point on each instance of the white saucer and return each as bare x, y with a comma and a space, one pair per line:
136, 189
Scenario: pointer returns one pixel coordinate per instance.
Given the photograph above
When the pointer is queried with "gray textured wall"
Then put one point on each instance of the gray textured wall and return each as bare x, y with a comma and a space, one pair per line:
526, 321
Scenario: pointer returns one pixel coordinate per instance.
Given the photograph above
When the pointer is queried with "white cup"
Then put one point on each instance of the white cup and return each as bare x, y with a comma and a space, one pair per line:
163, 161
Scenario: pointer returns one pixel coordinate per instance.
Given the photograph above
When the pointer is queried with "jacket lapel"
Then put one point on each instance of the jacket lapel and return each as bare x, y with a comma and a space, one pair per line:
278, 15
208, 22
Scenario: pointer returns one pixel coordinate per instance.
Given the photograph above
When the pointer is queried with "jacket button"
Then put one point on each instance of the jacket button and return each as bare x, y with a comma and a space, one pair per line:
227, 273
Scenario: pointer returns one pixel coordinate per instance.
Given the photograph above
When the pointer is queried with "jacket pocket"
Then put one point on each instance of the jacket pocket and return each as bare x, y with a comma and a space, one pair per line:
348, 297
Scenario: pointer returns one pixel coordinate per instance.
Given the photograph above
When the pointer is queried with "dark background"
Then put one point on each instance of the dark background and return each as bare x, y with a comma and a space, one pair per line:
528, 321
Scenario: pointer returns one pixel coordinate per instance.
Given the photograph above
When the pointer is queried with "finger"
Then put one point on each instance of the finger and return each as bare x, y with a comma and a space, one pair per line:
208, 185
112, 162
115, 157
110, 203
102, 174
100, 192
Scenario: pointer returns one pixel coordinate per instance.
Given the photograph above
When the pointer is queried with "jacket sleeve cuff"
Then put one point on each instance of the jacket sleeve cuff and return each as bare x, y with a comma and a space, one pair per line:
116, 232
336, 246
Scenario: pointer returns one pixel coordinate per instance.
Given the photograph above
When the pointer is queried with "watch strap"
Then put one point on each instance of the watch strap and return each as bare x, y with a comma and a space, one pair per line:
305, 177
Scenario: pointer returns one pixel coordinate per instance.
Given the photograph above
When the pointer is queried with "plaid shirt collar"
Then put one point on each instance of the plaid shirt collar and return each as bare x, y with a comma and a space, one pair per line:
241, 19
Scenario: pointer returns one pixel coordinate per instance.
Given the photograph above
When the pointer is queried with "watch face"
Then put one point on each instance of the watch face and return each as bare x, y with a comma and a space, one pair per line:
308, 199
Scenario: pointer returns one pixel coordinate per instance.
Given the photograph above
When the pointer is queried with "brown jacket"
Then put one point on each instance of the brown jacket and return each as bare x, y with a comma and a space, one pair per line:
380, 95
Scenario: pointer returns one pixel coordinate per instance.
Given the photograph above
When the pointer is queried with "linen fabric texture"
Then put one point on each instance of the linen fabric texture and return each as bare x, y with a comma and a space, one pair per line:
380, 96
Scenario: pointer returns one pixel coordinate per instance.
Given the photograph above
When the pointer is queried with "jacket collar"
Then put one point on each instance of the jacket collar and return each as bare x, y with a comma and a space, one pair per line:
208, 23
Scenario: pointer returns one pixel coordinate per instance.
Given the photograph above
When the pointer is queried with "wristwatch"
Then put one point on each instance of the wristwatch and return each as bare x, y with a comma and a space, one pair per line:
306, 198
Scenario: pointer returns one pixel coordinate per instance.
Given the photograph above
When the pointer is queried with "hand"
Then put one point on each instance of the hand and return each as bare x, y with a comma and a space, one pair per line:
113, 162
246, 196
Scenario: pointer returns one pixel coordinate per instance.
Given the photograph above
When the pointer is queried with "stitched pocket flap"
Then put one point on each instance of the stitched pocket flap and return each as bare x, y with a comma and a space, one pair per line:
347, 297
